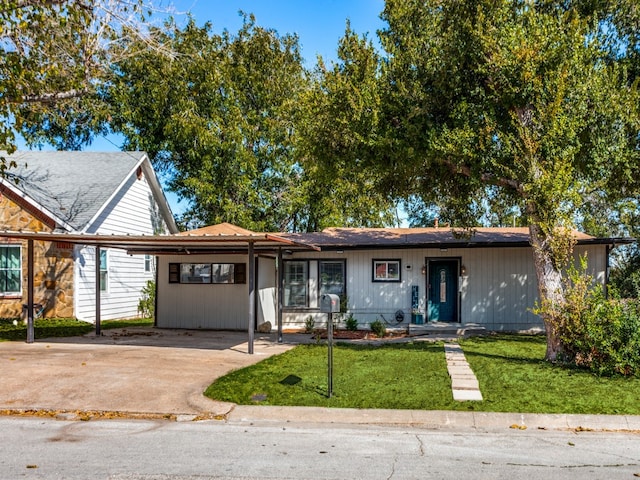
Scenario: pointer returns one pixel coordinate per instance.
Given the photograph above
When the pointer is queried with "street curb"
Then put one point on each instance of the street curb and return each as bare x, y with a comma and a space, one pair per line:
433, 419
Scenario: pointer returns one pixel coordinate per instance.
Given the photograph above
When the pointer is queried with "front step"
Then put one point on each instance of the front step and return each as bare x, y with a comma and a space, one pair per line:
446, 328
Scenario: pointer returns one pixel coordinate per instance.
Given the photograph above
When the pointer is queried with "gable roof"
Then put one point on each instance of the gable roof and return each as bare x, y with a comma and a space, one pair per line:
74, 187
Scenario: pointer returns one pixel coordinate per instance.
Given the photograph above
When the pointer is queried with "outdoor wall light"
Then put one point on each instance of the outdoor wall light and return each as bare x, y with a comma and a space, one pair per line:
424, 269
463, 271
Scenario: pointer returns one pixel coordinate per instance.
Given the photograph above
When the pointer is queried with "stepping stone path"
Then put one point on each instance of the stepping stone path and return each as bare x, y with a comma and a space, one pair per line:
463, 381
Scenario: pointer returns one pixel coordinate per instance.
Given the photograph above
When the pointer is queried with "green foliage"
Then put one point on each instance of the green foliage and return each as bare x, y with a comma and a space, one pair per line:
596, 332
15, 329
147, 302
219, 119
309, 324
480, 109
351, 323
55, 61
625, 275
379, 328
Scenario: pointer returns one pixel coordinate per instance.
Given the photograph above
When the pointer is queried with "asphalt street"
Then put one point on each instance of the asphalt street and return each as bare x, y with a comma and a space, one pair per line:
157, 450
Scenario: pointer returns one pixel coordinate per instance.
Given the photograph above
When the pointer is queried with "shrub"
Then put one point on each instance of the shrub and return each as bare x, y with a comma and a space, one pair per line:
379, 328
309, 324
147, 302
597, 333
351, 323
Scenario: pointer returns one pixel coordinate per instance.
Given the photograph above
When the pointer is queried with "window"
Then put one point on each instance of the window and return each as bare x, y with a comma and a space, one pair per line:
10, 269
295, 281
207, 273
332, 277
104, 271
195, 273
222, 273
386, 270
148, 263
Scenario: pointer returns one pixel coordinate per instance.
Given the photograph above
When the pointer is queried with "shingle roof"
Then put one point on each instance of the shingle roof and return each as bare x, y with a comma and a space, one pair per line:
354, 238
73, 186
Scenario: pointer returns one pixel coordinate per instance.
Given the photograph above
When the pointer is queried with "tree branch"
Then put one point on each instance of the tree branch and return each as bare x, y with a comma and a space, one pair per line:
50, 98
485, 177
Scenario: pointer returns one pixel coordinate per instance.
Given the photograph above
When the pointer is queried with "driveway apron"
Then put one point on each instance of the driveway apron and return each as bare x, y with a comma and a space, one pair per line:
128, 370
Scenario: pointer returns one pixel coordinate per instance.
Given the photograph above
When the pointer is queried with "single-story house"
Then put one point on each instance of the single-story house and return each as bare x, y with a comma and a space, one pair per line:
398, 275
79, 193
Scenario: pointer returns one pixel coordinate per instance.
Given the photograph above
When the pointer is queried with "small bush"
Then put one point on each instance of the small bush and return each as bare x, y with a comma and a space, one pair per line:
309, 324
351, 323
379, 328
147, 302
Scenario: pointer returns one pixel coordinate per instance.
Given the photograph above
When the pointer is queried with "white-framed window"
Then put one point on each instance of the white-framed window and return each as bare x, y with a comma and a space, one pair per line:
386, 270
295, 283
104, 271
148, 263
10, 269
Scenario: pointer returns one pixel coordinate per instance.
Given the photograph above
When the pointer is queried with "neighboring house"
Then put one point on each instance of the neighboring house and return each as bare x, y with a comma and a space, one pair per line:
81, 193
401, 276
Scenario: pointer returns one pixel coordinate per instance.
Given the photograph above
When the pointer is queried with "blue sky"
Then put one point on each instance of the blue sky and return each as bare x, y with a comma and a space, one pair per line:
319, 24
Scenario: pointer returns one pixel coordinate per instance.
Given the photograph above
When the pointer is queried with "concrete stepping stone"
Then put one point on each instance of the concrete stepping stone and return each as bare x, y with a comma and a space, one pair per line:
464, 384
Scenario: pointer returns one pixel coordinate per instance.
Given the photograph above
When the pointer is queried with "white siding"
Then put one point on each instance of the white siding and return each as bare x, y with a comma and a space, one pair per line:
195, 306
498, 292
133, 210
266, 300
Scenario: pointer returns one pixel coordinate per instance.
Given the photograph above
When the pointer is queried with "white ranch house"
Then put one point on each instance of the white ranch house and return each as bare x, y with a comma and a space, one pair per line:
402, 276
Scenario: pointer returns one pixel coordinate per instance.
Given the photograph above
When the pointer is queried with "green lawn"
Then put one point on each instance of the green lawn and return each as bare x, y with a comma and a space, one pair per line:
45, 328
512, 376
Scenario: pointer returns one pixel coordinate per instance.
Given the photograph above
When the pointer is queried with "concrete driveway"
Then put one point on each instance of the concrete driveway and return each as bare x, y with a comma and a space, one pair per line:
134, 370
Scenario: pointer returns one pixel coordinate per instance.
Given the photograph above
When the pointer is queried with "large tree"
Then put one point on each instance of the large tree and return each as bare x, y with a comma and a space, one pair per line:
227, 118
217, 116
55, 58
500, 106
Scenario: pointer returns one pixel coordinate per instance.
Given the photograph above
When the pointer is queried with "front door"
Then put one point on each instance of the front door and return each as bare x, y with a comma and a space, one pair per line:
443, 291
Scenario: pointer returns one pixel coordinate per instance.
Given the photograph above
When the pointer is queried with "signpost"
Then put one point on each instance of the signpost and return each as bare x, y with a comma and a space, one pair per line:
330, 304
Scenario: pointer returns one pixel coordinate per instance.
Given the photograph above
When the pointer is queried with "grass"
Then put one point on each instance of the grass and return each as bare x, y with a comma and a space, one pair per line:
511, 371
411, 376
63, 327
514, 377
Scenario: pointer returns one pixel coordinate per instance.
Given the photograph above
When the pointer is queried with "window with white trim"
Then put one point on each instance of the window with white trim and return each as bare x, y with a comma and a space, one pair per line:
104, 271
295, 283
10, 269
386, 270
148, 263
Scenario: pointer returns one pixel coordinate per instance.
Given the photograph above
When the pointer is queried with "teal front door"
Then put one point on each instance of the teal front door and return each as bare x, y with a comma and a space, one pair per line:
443, 291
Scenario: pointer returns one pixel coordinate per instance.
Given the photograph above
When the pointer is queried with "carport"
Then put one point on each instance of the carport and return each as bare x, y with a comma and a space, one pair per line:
204, 241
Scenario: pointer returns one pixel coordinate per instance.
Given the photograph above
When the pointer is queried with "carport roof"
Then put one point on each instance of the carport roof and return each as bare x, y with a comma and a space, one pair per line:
186, 242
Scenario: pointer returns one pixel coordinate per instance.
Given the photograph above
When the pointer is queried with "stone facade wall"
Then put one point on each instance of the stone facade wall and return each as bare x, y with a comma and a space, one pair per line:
53, 262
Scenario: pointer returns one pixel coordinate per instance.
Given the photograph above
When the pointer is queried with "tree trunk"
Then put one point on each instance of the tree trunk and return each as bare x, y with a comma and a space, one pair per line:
550, 286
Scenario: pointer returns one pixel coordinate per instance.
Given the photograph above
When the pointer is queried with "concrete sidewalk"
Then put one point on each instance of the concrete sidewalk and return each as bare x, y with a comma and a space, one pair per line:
163, 373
